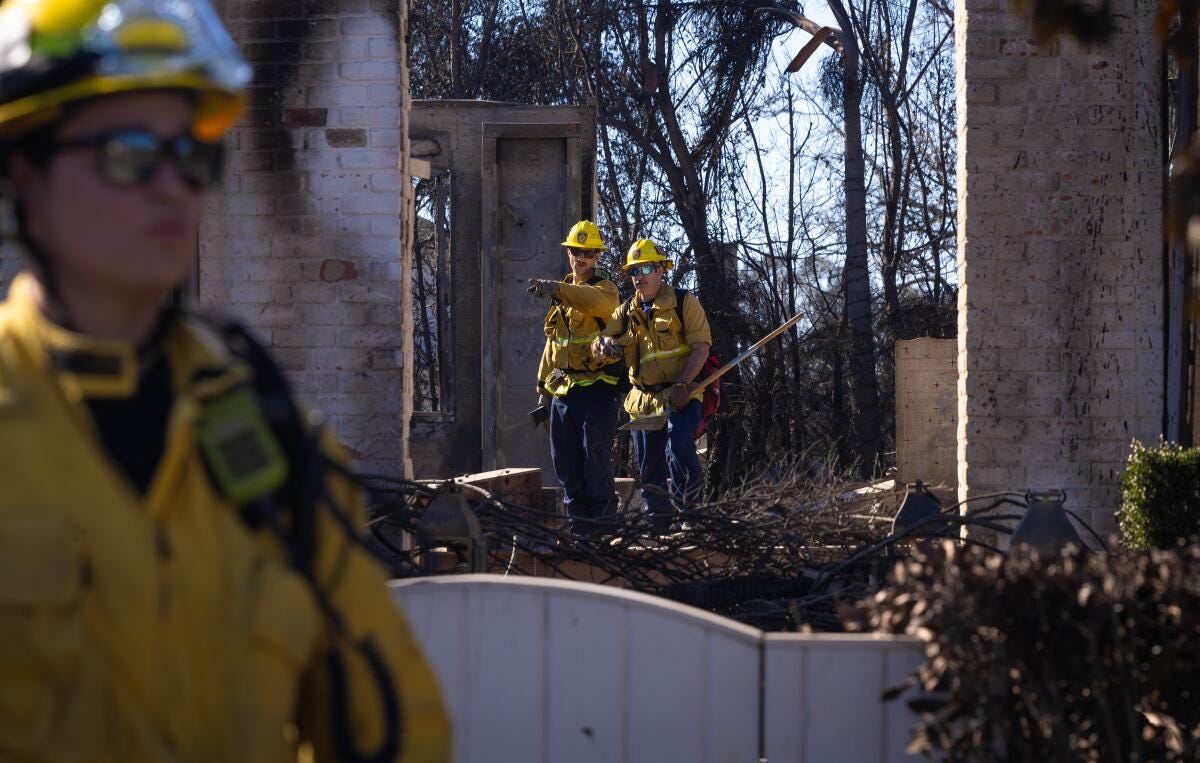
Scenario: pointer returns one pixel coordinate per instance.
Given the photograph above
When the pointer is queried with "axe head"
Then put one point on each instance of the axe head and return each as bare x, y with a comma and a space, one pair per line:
539, 415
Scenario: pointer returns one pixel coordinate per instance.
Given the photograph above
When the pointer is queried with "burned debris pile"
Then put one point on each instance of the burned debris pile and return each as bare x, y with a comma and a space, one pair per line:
777, 554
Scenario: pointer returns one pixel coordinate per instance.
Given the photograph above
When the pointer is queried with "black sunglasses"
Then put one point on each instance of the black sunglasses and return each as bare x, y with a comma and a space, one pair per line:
131, 157
588, 254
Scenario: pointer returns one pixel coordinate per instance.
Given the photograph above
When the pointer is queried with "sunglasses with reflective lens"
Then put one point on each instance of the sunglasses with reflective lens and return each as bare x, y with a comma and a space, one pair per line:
643, 270
587, 254
129, 158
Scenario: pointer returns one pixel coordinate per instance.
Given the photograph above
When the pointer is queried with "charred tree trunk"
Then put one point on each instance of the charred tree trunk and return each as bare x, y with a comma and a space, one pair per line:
856, 273
838, 401
856, 276
893, 229
456, 51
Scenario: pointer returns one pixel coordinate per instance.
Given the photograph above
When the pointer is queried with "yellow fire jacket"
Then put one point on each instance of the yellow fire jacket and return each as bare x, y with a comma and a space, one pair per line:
655, 348
160, 627
572, 324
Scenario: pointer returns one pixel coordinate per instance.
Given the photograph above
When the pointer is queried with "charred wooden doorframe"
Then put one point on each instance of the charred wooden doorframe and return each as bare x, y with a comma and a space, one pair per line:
1180, 399
489, 303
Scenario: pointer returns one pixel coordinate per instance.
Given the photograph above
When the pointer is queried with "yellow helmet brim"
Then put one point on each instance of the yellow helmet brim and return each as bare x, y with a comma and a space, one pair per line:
217, 110
667, 264
577, 245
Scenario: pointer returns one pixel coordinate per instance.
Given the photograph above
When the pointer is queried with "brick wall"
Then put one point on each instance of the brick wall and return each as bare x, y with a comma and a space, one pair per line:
304, 240
1060, 256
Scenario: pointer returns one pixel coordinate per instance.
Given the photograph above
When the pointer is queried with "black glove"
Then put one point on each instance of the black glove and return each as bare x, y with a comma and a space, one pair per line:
606, 347
542, 288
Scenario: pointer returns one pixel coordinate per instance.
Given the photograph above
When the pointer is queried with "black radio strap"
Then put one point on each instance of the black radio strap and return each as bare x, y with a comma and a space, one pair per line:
304, 490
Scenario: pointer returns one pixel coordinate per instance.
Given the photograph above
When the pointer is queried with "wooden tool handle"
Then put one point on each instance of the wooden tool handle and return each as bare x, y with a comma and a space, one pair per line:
745, 354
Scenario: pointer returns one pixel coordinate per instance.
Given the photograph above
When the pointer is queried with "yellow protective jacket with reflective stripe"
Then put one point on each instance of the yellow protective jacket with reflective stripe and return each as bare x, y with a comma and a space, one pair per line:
160, 627
572, 324
655, 348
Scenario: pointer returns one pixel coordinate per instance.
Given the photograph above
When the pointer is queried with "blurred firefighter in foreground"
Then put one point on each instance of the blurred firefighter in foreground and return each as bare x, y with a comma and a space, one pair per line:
578, 392
180, 573
663, 335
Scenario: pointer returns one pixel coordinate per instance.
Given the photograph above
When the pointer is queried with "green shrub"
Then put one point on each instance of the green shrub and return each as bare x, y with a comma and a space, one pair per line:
1082, 657
1160, 496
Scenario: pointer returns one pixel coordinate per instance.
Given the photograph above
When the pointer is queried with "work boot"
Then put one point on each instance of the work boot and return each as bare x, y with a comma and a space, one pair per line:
588, 528
660, 523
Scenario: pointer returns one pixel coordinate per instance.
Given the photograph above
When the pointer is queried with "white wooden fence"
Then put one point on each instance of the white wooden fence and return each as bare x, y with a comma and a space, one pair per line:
549, 671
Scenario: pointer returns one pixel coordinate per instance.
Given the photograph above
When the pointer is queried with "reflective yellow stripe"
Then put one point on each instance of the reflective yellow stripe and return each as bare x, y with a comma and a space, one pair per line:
581, 340
667, 353
564, 386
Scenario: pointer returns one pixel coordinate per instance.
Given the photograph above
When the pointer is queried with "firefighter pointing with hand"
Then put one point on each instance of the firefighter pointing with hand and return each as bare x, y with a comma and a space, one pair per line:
579, 390
663, 335
180, 573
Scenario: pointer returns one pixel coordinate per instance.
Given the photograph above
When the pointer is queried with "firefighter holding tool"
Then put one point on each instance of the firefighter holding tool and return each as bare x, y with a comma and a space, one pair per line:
663, 335
181, 575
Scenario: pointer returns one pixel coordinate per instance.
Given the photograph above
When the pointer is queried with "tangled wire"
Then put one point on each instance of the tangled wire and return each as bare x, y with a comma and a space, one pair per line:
776, 554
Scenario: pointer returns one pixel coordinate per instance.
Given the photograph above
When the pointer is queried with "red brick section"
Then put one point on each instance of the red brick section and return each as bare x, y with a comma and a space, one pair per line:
338, 270
344, 138
305, 117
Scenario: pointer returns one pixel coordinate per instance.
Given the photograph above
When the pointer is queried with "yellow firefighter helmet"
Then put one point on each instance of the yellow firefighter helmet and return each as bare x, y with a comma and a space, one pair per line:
585, 235
55, 52
644, 250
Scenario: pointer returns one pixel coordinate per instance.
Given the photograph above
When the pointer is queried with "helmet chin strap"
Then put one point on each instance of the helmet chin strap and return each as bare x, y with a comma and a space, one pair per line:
16, 231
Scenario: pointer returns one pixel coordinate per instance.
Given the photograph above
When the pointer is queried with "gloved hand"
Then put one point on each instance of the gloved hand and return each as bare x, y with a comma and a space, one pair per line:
606, 347
680, 395
539, 287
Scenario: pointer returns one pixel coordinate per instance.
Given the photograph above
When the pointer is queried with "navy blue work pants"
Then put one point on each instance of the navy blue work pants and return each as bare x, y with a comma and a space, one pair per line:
582, 426
669, 452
